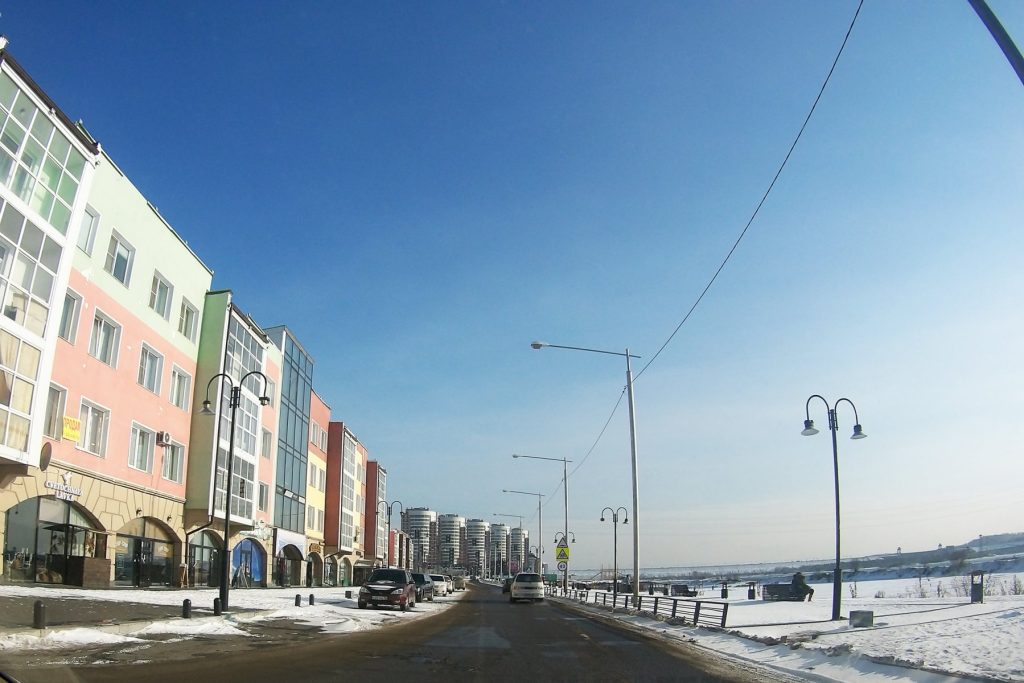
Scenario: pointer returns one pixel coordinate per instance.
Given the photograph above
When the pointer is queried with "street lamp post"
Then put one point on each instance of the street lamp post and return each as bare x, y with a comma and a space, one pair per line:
615, 547
234, 400
540, 524
632, 446
390, 507
858, 433
565, 490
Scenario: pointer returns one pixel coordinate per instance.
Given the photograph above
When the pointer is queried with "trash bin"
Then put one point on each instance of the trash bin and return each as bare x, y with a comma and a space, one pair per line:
650, 589
862, 618
977, 586
725, 590
751, 590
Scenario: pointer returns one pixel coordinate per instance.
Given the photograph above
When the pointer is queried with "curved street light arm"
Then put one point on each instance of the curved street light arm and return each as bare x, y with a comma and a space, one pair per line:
807, 408
856, 419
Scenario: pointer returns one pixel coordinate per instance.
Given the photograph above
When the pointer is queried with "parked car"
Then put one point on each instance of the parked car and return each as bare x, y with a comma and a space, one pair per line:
526, 586
440, 585
450, 583
506, 584
459, 583
388, 587
424, 587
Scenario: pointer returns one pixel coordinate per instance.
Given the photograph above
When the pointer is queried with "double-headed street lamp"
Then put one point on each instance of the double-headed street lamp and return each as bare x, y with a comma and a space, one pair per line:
540, 523
565, 490
632, 444
615, 546
858, 433
390, 507
234, 400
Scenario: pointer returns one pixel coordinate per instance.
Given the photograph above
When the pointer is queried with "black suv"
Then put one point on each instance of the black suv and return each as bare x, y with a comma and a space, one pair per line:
389, 587
424, 587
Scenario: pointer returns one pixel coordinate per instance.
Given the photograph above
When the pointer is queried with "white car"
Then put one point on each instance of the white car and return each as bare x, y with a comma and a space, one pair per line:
441, 586
526, 586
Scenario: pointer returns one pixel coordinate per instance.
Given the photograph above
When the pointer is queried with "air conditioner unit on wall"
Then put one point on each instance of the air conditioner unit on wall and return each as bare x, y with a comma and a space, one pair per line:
163, 438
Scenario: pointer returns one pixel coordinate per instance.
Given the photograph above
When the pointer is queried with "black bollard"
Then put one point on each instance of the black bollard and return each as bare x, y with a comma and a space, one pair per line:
216, 607
298, 600
311, 598
186, 609
39, 615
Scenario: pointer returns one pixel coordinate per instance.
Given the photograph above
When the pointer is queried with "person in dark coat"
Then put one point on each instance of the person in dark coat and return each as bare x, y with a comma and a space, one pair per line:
801, 588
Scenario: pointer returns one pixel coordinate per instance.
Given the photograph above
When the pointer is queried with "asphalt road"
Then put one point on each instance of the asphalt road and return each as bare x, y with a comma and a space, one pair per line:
482, 638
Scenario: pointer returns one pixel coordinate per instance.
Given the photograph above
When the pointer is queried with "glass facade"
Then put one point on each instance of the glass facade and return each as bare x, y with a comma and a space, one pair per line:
293, 434
45, 539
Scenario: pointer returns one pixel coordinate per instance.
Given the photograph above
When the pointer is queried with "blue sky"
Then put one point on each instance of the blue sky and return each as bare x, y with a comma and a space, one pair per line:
419, 190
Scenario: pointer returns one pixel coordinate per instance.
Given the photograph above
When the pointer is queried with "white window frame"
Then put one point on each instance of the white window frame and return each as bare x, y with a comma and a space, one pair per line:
133, 456
186, 306
144, 350
57, 416
158, 280
177, 374
92, 406
109, 262
112, 362
266, 443
75, 316
180, 473
90, 226
263, 497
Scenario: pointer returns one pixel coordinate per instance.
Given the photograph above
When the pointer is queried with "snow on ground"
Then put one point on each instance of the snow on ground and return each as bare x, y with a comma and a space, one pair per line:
921, 633
913, 629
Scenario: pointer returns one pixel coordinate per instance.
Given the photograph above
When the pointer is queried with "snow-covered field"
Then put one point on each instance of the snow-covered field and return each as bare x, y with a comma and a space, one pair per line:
926, 639
916, 634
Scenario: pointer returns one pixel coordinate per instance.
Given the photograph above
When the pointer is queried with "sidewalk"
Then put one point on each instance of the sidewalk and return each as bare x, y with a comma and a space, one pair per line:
62, 611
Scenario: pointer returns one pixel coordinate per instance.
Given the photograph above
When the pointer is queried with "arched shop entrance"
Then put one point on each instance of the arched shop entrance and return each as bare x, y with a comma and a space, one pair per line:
314, 570
143, 554
249, 561
288, 571
55, 541
203, 548
331, 571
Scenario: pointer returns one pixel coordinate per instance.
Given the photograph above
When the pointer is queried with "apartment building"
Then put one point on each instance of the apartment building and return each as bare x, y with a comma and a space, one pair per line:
237, 375
316, 494
478, 541
346, 492
379, 545
421, 525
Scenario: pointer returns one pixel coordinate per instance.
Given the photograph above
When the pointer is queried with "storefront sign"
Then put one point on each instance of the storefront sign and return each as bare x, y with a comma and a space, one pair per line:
63, 490
315, 548
72, 428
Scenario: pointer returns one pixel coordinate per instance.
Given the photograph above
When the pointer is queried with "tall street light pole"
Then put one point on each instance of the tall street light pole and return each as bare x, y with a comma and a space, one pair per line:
615, 547
540, 525
632, 445
234, 400
390, 507
508, 547
858, 433
565, 490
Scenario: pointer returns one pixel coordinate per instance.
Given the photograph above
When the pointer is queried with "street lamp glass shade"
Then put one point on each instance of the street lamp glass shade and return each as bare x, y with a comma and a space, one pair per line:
602, 519
206, 408
809, 429
538, 344
264, 400
858, 433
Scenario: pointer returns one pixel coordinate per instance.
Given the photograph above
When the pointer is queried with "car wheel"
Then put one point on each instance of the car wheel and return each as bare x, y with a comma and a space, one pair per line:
362, 605
511, 599
405, 606
431, 598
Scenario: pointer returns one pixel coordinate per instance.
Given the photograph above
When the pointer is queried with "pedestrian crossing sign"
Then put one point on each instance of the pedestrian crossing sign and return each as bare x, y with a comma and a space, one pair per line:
562, 554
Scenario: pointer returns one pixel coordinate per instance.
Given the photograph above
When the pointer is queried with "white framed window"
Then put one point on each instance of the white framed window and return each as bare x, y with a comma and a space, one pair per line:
266, 443
68, 329
87, 235
105, 339
271, 390
264, 497
310, 517
312, 475
319, 520
95, 421
151, 366
53, 426
140, 449
188, 320
120, 256
174, 462
181, 387
160, 295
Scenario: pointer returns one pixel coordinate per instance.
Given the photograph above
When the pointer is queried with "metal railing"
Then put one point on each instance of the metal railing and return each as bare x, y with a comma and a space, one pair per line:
689, 610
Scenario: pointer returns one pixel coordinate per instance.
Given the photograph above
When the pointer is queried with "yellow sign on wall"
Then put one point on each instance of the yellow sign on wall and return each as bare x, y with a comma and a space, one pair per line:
72, 428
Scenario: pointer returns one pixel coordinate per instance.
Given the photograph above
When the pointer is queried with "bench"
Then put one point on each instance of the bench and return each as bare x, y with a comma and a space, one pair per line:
780, 591
684, 590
